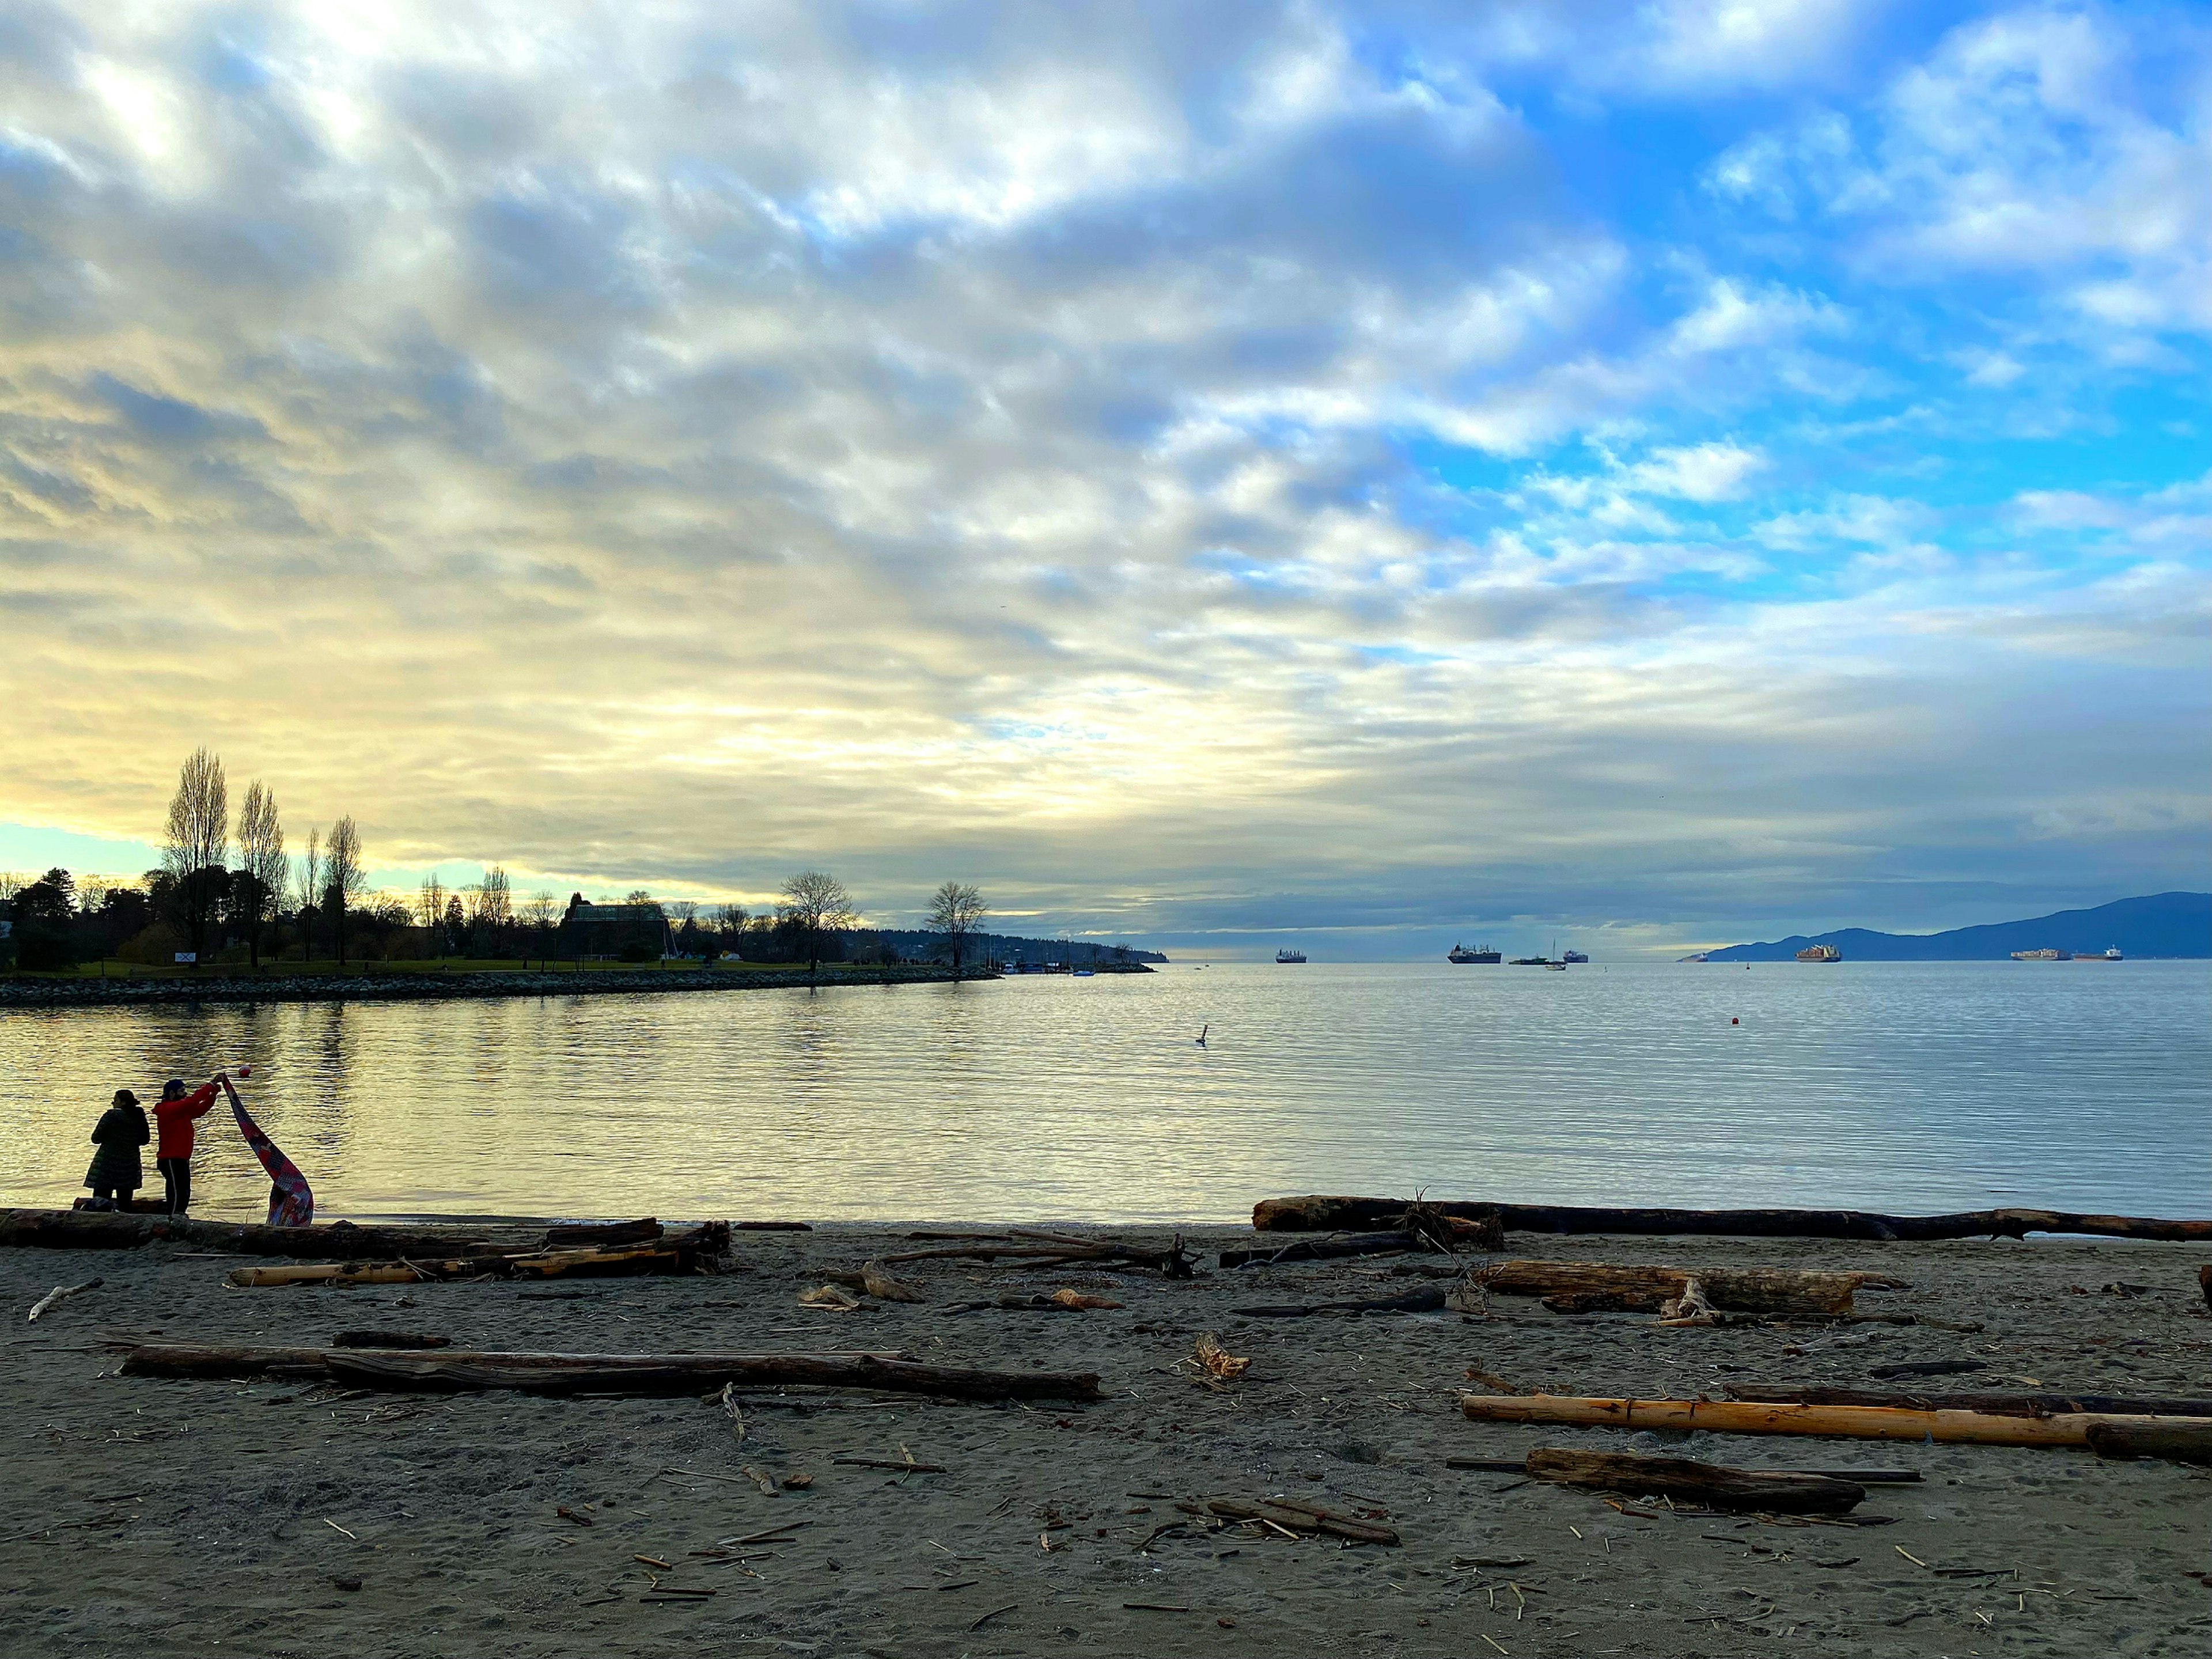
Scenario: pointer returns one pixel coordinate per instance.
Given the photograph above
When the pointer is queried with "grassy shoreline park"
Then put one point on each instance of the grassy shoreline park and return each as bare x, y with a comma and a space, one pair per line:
112, 983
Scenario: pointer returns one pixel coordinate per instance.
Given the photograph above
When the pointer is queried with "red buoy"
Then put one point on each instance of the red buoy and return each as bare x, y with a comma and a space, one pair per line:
1735, 1022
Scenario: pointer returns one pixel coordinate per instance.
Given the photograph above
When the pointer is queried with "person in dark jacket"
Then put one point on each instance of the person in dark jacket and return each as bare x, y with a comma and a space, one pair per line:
116, 1172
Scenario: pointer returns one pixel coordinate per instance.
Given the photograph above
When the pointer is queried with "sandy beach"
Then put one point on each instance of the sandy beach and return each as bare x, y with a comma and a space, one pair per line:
203, 1517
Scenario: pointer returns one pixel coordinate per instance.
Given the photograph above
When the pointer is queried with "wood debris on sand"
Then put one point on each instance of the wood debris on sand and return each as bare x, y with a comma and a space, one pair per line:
1317, 1213
2187, 1438
634, 1374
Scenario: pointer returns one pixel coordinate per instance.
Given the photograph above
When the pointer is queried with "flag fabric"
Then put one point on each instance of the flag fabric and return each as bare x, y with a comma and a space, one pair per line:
291, 1204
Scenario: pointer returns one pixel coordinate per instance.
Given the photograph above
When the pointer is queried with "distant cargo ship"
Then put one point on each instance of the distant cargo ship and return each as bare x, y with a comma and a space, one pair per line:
1530, 962
1574, 956
1461, 955
1290, 956
2046, 954
1819, 953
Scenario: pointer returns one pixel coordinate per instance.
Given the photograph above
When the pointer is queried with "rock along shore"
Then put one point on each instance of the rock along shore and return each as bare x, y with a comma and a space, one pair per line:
421, 987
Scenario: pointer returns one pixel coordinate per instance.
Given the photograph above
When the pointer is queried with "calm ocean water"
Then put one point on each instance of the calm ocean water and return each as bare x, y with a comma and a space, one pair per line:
1896, 1086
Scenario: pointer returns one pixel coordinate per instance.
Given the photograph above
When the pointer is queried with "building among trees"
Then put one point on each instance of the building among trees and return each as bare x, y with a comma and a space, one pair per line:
630, 933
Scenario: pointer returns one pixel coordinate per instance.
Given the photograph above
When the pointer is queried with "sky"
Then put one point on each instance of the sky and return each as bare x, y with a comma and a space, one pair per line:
1210, 475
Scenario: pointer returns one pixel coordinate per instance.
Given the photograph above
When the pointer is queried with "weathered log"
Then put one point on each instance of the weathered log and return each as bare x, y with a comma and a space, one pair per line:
1411, 1302
1320, 1250
2001, 1405
2188, 1441
1319, 1214
389, 1340
591, 1235
96, 1229
1842, 1422
642, 1375
1738, 1290
339, 1275
1711, 1484
1293, 1515
1175, 1262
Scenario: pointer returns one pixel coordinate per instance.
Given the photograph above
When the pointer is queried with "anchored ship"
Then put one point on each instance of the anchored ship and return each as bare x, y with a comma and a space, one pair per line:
1461, 955
1819, 953
1290, 956
1574, 956
2046, 954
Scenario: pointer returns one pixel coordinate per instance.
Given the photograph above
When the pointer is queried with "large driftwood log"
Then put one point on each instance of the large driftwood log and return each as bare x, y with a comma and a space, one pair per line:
94, 1230
343, 1241
1709, 1484
1841, 1422
1738, 1290
1319, 1214
2185, 1441
683, 1254
2001, 1405
644, 1375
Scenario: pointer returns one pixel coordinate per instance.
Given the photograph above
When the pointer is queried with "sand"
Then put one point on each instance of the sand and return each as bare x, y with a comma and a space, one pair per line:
277, 1519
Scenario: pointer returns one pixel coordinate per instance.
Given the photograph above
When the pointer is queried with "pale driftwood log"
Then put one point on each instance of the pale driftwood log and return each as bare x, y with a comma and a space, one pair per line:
1322, 1214
642, 1375
336, 1275
59, 1294
1840, 1422
1740, 1290
1709, 1484
2002, 1405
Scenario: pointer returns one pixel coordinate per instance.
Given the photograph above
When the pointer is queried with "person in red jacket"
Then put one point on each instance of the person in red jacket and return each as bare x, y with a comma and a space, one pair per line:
173, 1154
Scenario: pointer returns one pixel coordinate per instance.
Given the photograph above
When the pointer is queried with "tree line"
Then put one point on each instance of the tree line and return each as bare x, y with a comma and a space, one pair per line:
202, 902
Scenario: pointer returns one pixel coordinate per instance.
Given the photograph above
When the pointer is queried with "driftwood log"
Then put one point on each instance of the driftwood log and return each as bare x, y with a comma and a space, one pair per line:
683, 1253
1841, 1422
1047, 1251
2001, 1405
98, 1230
1647, 1290
460, 1370
1319, 1214
1711, 1484
1293, 1515
2178, 1440
1411, 1302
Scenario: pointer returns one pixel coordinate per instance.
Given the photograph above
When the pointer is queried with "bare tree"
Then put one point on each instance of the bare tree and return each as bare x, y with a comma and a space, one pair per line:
956, 911
342, 878
815, 903
491, 909
261, 851
311, 892
195, 843
430, 907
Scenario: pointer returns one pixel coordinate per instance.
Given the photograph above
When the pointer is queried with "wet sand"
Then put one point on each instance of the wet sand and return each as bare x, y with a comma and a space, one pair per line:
194, 1517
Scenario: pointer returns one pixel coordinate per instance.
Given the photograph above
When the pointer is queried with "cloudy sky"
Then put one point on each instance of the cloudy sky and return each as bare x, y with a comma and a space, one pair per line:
1706, 469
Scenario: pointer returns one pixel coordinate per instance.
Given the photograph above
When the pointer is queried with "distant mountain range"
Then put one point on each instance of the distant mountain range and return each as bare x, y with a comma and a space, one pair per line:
2159, 924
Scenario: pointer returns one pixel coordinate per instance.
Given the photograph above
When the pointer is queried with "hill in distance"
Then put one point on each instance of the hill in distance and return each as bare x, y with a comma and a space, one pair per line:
2158, 925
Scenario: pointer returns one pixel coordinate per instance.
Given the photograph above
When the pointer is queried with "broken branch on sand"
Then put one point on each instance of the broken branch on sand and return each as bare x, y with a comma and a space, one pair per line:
2175, 1437
1319, 1214
695, 1251
637, 1375
61, 1293
1713, 1485
1291, 1515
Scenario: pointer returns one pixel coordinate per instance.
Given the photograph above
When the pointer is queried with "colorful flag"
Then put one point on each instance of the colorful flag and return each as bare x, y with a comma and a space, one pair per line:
291, 1204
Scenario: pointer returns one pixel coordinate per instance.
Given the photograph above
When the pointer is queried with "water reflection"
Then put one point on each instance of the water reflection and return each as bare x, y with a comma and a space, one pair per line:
1892, 1085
